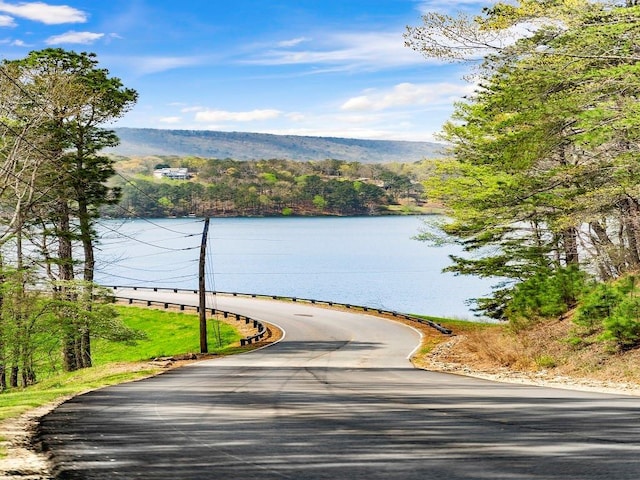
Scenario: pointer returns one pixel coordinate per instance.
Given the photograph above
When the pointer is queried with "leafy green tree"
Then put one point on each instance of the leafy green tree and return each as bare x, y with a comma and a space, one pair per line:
546, 295
72, 97
396, 185
24, 327
543, 164
319, 202
370, 195
343, 197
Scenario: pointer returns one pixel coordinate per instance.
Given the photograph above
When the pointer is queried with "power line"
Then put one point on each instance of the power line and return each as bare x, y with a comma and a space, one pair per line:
148, 270
170, 249
143, 281
155, 254
120, 234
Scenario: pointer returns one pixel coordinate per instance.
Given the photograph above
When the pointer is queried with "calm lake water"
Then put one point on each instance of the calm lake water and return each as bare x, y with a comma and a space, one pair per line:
372, 261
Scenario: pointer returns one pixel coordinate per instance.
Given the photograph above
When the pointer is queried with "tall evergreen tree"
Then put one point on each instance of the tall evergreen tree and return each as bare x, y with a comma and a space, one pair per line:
544, 156
74, 98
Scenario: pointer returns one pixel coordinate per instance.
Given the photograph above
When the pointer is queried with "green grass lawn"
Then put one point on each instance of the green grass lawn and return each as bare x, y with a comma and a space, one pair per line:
167, 334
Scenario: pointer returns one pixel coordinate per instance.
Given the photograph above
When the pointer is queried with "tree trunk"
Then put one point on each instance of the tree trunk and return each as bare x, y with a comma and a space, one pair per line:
86, 235
570, 244
65, 273
13, 379
69, 359
3, 347
632, 230
609, 258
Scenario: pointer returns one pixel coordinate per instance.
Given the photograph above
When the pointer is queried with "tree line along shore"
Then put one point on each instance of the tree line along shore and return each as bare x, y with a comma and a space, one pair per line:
180, 186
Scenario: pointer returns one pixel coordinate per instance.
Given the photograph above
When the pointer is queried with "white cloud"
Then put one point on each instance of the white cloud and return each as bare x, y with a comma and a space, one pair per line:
112, 36
296, 116
84, 38
7, 21
192, 109
225, 116
408, 94
346, 50
293, 42
44, 13
171, 120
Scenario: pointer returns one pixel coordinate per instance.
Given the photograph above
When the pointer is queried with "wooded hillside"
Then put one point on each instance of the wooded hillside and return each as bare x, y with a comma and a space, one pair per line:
259, 146
266, 188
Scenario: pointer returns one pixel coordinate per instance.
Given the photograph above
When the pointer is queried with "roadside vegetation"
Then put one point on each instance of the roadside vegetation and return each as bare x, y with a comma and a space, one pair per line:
541, 185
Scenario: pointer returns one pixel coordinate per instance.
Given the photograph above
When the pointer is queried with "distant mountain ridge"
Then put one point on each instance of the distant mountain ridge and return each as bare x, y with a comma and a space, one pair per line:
260, 146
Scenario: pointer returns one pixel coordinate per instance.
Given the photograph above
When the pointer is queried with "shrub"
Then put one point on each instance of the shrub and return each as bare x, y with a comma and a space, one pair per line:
598, 305
546, 294
613, 308
546, 361
623, 325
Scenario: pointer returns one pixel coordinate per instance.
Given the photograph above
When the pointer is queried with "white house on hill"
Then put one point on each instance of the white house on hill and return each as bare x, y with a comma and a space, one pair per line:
172, 173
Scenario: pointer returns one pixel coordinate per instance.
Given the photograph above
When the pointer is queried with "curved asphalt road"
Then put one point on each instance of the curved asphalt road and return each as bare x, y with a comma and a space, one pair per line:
337, 399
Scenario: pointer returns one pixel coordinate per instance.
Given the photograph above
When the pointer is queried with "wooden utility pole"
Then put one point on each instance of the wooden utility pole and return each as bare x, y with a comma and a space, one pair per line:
202, 289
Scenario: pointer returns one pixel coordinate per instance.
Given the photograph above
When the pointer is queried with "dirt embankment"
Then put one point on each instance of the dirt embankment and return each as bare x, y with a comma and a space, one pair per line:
541, 355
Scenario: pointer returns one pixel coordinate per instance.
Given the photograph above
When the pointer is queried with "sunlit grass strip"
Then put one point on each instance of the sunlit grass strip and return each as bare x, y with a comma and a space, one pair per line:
17, 401
168, 333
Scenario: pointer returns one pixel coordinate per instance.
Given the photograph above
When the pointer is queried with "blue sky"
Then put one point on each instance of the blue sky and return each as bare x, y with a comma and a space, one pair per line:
300, 67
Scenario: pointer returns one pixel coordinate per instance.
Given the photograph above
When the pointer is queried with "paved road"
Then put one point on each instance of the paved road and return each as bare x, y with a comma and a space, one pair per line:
338, 399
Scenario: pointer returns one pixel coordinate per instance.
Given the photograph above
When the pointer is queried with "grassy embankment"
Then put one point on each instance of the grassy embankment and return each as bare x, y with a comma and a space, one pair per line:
167, 334
425, 209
